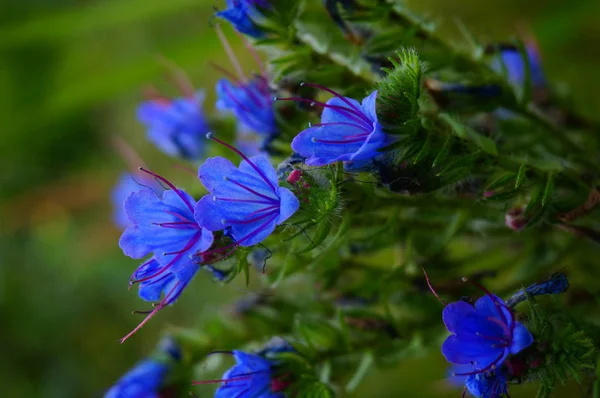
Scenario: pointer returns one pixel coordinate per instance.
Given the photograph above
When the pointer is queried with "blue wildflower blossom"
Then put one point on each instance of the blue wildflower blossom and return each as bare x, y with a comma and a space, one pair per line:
241, 15
126, 185
247, 200
177, 126
153, 283
511, 60
250, 377
144, 380
164, 227
348, 131
491, 384
483, 335
251, 103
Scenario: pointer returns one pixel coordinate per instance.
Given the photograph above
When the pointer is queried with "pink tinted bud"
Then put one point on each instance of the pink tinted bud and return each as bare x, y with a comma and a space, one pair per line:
278, 385
489, 194
515, 220
294, 176
536, 363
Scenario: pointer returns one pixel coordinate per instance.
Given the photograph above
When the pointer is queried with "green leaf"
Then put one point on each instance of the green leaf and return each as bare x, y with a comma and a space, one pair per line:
465, 132
365, 364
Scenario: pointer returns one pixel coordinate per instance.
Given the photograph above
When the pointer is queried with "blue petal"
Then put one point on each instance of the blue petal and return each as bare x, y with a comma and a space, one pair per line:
213, 171
254, 362
454, 314
370, 149
477, 350
152, 289
522, 339
336, 115
494, 307
263, 164
251, 103
255, 232
320, 154
238, 16
143, 380
208, 213
369, 106
126, 185
289, 204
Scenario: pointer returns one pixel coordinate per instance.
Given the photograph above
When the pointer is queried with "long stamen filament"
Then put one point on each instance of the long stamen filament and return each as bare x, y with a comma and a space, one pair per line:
262, 175
331, 92
170, 185
160, 305
351, 113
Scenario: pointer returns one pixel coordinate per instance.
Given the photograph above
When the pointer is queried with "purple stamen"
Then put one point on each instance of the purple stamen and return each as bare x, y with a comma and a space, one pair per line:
170, 185
498, 306
175, 225
234, 99
187, 247
341, 124
351, 113
331, 92
154, 311
338, 142
260, 202
250, 221
489, 367
239, 184
210, 136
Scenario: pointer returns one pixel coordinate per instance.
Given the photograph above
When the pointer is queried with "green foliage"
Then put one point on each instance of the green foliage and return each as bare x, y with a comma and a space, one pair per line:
565, 351
399, 92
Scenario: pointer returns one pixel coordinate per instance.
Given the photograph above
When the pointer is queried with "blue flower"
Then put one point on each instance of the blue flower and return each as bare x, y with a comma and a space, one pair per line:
241, 15
348, 131
250, 377
511, 60
483, 335
127, 184
153, 283
176, 127
491, 384
251, 103
164, 227
246, 201
144, 380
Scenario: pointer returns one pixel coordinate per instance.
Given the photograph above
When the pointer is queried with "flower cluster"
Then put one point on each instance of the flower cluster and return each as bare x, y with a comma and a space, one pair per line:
483, 336
314, 213
148, 377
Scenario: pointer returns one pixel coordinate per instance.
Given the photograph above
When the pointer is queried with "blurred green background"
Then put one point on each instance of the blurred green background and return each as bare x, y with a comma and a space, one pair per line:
71, 73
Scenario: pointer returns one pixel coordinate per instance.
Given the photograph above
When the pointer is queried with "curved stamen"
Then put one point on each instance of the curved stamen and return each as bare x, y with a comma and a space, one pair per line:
338, 141
331, 92
504, 326
160, 305
232, 58
175, 225
263, 176
498, 305
363, 128
239, 184
487, 368
260, 202
170, 185
241, 376
234, 99
268, 208
162, 270
250, 221
351, 113
494, 338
